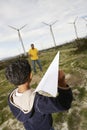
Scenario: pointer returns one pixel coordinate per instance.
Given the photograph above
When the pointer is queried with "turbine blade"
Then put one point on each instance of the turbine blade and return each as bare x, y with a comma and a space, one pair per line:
75, 19
13, 27
85, 19
70, 23
45, 23
23, 26
54, 22
19, 35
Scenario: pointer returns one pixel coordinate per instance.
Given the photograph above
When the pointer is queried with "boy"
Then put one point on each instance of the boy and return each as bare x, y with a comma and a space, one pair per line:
31, 108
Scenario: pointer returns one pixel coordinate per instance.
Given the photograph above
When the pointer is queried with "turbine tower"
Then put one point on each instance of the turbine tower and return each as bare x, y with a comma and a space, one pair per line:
19, 35
74, 23
51, 30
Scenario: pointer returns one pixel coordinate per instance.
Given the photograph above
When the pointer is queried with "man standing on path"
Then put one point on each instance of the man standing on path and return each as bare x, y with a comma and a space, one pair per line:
33, 53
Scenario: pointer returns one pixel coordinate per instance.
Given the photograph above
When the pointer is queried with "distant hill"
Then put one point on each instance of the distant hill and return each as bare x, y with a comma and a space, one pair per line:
80, 44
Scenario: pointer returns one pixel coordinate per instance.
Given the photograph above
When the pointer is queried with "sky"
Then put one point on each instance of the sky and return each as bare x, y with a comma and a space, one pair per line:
34, 14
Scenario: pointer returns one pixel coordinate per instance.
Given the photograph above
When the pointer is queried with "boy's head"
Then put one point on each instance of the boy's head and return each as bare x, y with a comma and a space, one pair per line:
18, 72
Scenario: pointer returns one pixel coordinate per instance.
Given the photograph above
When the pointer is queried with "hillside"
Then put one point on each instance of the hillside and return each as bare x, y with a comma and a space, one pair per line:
73, 61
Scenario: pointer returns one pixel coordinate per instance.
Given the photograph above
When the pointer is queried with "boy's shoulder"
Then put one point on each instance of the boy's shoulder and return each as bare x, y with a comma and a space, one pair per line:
23, 101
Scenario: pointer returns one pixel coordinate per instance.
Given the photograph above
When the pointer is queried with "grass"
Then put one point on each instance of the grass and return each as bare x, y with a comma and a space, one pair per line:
82, 93
73, 62
83, 113
74, 120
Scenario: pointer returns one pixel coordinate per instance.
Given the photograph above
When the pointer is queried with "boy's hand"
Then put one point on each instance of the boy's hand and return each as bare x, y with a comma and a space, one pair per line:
61, 80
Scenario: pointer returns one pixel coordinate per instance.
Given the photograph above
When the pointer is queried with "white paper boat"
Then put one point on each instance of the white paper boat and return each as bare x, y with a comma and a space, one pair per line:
48, 86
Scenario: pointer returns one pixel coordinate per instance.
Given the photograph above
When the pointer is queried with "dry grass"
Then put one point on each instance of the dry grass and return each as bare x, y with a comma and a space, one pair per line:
74, 63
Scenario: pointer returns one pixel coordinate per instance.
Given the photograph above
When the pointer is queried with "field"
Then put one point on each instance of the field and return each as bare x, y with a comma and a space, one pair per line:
74, 63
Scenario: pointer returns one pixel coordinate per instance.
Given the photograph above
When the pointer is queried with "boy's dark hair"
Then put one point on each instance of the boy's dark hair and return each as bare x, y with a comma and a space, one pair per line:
18, 72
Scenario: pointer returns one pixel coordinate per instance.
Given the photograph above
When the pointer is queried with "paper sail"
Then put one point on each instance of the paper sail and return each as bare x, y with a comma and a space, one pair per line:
49, 83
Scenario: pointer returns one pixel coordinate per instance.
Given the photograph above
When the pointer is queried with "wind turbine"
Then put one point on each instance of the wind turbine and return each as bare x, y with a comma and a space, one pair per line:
51, 30
74, 23
85, 20
19, 35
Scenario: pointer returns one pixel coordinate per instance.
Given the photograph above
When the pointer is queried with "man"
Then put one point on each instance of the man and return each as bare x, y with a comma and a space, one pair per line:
33, 53
31, 108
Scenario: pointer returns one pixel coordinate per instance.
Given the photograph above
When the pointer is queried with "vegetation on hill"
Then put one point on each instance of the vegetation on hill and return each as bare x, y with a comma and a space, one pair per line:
73, 60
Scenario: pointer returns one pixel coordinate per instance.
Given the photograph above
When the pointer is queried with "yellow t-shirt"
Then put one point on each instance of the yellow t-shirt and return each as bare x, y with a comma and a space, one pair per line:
33, 54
